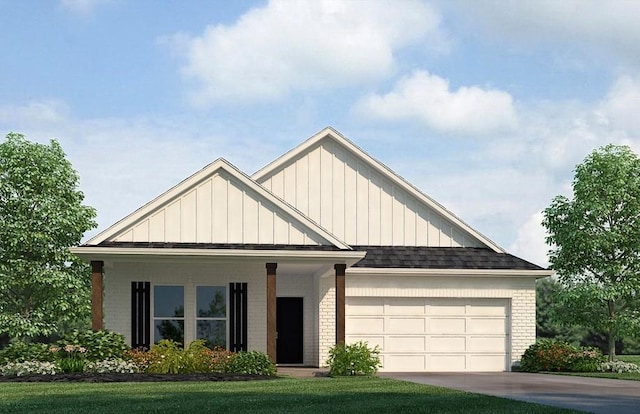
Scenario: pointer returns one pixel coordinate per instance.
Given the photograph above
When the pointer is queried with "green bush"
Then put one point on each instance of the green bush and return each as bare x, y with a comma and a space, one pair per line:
22, 352
112, 365
166, 357
551, 355
353, 359
196, 357
29, 368
251, 362
100, 345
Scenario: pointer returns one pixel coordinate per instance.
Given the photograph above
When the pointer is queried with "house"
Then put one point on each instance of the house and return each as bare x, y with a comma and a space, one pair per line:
323, 245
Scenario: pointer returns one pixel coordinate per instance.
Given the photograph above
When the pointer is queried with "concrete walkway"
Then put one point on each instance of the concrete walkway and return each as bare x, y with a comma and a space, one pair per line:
595, 395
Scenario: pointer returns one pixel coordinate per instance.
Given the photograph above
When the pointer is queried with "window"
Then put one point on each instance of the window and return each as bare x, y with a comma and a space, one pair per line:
211, 315
168, 313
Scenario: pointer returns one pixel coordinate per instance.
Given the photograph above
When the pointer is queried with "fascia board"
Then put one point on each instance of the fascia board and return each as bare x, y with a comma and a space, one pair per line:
88, 253
380, 168
366, 271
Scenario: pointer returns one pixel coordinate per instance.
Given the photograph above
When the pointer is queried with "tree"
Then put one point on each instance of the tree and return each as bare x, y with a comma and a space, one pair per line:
548, 325
596, 239
41, 283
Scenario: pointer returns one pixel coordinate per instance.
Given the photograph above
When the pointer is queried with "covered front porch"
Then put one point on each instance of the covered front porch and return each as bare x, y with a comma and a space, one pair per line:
291, 303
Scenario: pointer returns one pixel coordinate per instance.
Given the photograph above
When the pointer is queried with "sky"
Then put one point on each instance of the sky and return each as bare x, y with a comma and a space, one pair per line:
486, 106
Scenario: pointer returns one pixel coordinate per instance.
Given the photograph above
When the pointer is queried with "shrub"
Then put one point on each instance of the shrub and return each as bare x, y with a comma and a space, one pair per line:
550, 355
196, 357
619, 367
353, 359
70, 358
139, 357
29, 368
100, 345
219, 359
166, 357
251, 362
22, 352
112, 365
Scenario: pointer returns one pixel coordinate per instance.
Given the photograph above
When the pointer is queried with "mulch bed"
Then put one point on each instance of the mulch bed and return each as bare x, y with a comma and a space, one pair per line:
86, 377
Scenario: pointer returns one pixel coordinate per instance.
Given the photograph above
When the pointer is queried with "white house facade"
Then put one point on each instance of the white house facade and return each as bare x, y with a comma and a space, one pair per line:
323, 245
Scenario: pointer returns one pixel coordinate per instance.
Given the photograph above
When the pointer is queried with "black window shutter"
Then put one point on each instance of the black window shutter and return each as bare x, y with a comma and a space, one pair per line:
140, 314
238, 317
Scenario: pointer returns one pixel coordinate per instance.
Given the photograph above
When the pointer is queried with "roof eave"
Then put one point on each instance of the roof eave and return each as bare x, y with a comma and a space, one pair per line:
88, 253
388, 271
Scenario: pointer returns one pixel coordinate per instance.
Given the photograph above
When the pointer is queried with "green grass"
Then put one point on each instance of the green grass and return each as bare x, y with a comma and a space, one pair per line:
629, 358
334, 395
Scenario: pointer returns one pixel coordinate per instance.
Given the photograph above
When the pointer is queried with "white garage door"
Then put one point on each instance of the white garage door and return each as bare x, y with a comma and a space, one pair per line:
432, 334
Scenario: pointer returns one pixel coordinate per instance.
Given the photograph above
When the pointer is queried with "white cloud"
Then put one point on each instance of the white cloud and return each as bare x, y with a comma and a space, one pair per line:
608, 27
39, 111
429, 99
287, 46
621, 108
530, 241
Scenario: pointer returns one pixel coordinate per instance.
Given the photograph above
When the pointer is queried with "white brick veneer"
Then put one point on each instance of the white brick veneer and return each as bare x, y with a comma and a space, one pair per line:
520, 291
117, 297
326, 316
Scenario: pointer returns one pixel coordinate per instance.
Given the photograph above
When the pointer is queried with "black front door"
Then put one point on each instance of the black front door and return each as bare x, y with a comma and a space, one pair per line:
289, 325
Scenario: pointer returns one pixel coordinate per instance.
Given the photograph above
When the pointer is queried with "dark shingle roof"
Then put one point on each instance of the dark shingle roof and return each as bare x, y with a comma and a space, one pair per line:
440, 258
407, 257
219, 246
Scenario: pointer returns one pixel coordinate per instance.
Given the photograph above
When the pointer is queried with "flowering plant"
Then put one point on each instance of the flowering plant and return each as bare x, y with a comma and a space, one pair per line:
70, 358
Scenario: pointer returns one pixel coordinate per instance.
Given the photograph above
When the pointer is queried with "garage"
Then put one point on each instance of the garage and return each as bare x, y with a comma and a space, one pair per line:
432, 334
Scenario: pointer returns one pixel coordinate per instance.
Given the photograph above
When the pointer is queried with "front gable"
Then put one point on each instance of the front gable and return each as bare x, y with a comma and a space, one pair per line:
360, 200
221, 205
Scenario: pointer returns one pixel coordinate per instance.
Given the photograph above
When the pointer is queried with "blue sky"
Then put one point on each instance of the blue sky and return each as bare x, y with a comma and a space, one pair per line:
486, 106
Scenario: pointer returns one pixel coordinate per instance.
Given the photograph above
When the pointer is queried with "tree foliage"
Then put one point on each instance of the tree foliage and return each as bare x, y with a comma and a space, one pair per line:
597, 244
548, 325
41, 283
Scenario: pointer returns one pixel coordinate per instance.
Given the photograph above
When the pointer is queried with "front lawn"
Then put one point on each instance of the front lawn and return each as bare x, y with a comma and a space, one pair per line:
318, 395
629, 358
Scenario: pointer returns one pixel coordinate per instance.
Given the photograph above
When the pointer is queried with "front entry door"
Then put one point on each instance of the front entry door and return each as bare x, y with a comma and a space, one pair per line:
289, 326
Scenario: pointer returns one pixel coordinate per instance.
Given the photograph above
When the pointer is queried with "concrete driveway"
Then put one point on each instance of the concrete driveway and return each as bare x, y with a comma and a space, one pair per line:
596, 395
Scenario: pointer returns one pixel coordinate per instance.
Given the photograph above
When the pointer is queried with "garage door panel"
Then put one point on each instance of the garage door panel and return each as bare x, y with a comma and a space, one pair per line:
432, 334
486, 362
486, 326
364, 325
443, 308
365, 306
447, 325
410, 306
487, 344
405, 343
405, 325
447, 363
482, 308
404, 363
447, 344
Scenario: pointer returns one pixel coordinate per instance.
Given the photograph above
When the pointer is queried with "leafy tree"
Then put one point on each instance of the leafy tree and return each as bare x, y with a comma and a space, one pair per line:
42, 284
597, 244
548, 325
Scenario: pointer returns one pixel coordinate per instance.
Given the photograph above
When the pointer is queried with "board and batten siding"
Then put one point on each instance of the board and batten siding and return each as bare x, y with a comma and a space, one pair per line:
218, 209
357, 203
